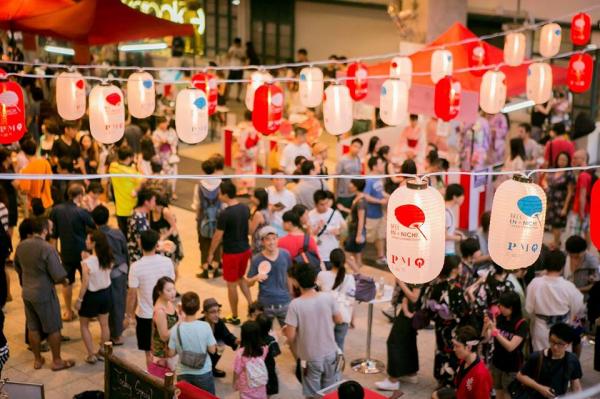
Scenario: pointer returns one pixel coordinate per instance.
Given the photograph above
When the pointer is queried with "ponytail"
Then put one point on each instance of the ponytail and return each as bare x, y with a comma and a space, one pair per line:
338, 259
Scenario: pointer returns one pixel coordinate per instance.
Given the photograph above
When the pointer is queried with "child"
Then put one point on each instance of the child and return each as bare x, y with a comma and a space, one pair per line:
250, 375
266, 324
255, 309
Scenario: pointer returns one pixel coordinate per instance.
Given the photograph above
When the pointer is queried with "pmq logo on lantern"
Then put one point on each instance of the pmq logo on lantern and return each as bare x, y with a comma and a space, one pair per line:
408, 261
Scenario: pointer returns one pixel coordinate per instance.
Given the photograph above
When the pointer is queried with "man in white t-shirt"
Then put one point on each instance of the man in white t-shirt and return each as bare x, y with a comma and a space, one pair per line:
326, 225
454, 197
143, 276
280, 200
296, 148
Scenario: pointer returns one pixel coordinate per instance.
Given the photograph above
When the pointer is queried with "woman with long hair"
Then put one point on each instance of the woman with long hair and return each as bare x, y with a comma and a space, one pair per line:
560, 192
261, 216
89, 155
162, 219
163, 319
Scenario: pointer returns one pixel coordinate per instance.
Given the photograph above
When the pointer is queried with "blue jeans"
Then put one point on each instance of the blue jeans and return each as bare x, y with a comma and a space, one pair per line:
340, 332
203, 381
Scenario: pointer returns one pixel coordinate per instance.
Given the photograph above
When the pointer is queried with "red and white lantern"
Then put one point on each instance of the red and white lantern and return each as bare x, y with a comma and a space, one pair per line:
141, 94
268, 108
402, 68
358, 82
514, 49
441, 64
580, 72
447, 98
191, 115
478, 58
107, 113
595, 215
416, 233
70, 95
581, 29
550, 37
310, 87
492, 92
517, 223
256, 80
539, 82
337, 109
207, 82
393, 102
12, 112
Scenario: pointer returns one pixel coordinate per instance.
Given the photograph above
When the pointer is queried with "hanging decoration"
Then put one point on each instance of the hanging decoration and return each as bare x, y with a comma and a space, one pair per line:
539, 82
256, 80
550, 37
310, 87
514, 49
580, 72
447, 98
12, 112
141, 94
393, 102
70, 95
415, 232
478, 58
517, 223
581, 29
402, 68
191, 115
268, 108
107, 113
441, 64
207, 82
595, 215
492, 92
337, 109
358, 84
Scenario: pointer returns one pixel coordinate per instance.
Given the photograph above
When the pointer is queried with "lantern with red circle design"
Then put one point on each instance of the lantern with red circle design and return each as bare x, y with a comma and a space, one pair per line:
337, 109
514, 49
393, 102
358, 82
539, 82
310, 87
447, 98
12, 112
492, 92
581, 29
579, 73
70, 95
268, 108
595, 215
256, 80
207, 82
478, 58
402, 68
441, 64
141, 94
107, 113
191, 115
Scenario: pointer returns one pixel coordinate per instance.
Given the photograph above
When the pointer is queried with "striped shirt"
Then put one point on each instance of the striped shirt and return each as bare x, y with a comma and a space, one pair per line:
4, 216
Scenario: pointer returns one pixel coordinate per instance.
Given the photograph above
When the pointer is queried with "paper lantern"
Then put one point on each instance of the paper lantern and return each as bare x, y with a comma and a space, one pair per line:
70, 95
517, 223
416, 232
447, 98
581, 29
337, 109
393, 102
191, 115
514, 49
402, 68
478, 58
107, 113
550, 36
207, 82
492, 92
256, 80
595, 215
441, 64
310, 87
268, 108
141, 94
358, 83
539, 82
12, 113
579, 73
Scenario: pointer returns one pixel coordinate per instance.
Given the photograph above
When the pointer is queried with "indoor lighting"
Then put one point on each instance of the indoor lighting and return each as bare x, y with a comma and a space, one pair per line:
59, 50
515, 106
235, 2
143, 47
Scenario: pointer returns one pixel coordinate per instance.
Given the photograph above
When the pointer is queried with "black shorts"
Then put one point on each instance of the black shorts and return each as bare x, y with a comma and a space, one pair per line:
143, 333
236, 74
43, 317
350, 245
95, 303
71, 268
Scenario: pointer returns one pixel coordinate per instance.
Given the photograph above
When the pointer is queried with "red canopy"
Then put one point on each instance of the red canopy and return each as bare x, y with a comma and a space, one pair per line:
12, 10
96, 22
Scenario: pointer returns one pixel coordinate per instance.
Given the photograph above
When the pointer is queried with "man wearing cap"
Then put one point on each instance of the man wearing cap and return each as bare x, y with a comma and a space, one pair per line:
211, 309
270, 269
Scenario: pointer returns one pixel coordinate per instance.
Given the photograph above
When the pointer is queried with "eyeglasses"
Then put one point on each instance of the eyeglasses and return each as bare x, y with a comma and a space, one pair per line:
558, 344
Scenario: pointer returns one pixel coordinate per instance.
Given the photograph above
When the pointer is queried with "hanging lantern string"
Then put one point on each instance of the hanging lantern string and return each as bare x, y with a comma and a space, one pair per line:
375, 57
337, 80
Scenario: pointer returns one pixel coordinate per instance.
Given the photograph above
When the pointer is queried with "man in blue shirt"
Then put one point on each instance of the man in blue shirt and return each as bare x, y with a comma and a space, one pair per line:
376, 199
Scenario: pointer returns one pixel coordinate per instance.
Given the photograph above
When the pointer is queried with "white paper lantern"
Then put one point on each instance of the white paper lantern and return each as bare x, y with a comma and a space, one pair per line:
337, 109
141, 94
492, 92
550, 37
107, 113
191, 116
311, 87
393, 102
441, 64
416, 233
402, 68
539, 82
70, 95
514, 49
257, 79
517, 223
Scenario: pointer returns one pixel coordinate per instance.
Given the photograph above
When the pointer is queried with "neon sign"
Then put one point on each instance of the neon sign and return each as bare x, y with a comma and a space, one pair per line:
173, 10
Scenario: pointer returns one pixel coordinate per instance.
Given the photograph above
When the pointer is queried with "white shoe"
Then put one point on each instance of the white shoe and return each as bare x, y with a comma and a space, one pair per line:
387, 385
409, 379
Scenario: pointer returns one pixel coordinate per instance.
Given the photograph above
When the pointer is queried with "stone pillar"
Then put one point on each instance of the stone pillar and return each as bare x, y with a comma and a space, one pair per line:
441, 14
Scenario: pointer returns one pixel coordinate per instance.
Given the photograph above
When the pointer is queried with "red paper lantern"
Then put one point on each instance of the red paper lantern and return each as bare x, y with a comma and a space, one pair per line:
358, 84
207, 82
579, 74
478, 58
268, 108
447, 98
595, 215
12, 113
581, 29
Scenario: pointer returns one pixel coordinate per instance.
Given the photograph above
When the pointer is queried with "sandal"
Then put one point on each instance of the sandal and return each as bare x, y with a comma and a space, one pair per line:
66, 364
91, 359
38, 365
69, 319
100, 355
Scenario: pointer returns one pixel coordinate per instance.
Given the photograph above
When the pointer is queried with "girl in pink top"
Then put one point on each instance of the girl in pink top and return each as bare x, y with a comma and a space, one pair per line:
250, 373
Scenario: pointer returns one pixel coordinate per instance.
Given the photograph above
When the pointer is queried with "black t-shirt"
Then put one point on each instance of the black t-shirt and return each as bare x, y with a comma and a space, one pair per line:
233, 220
555, 373
504, 360
61, 149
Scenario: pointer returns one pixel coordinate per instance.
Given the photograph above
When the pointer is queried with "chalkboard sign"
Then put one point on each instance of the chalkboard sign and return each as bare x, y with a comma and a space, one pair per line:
123, 380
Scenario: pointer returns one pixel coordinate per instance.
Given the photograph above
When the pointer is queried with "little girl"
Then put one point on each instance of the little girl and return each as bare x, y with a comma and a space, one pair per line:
250, 374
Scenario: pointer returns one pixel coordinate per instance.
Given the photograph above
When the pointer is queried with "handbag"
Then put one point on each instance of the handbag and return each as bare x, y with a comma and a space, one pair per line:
194, 360
365, 288
520, 391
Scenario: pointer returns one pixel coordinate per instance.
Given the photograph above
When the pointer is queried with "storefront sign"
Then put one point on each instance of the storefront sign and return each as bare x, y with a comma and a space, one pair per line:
173, 10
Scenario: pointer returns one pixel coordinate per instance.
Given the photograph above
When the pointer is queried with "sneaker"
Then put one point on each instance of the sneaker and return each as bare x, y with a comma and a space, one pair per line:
203, 274
381, 261
232, 320
387, 385
409, 379
217, 273
219, 373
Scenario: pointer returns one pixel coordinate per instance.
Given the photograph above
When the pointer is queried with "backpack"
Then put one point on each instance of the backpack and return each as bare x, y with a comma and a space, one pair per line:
256, 372
210, 207
307, 256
